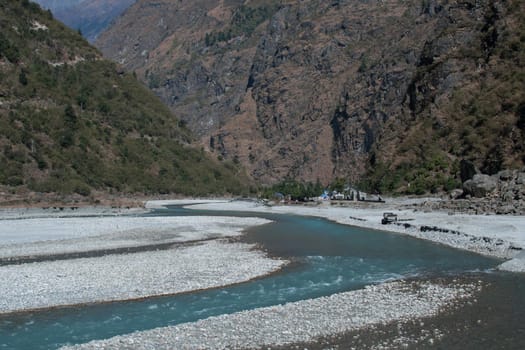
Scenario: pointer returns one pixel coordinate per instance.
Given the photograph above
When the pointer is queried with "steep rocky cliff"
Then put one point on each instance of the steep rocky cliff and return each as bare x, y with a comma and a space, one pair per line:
390, 93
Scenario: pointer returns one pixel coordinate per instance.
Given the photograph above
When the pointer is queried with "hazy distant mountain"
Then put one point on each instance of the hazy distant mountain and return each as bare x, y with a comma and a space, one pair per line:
91, 17
58, 4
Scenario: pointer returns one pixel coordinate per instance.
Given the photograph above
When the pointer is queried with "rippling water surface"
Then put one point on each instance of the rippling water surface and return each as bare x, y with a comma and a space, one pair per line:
327, 258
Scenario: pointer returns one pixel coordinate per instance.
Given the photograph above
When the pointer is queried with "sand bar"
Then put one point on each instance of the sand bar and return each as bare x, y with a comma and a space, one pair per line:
41, 236
130, 276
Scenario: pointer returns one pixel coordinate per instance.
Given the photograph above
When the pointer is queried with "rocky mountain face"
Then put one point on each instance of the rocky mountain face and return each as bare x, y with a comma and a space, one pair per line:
392, 94
72, 122
91, 17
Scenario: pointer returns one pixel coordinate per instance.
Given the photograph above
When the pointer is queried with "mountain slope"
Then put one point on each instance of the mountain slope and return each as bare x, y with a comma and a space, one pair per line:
390, 93
71, 121
91, 17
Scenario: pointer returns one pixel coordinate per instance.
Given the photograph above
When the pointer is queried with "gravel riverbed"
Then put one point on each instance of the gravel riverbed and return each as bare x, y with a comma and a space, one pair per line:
210, 261
219, 262
130, 276
44, 236
300, 321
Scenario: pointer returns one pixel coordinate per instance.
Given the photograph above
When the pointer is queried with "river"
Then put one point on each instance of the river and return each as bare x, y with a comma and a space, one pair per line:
326, 258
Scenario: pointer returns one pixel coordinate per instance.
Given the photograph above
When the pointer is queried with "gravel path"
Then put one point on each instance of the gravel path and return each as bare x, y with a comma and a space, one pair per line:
301, 321
130, 276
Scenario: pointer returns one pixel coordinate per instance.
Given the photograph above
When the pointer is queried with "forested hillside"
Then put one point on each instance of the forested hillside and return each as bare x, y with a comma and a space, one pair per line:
71, 121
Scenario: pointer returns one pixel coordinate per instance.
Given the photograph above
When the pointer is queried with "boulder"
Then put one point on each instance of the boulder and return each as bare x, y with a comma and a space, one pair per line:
508, 196
467, 170
520, 179
506, 209
506, 175
480, 185
456, 193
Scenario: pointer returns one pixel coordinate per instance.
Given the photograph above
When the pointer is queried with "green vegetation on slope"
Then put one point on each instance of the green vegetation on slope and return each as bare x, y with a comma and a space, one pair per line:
295, 189
71, 121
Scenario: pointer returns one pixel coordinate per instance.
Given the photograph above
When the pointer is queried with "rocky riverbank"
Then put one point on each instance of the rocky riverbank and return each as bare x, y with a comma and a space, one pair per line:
473, 206
22, 199
485, 195
502, 193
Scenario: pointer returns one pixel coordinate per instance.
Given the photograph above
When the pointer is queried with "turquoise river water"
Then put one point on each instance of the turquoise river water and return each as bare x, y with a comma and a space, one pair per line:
327, 258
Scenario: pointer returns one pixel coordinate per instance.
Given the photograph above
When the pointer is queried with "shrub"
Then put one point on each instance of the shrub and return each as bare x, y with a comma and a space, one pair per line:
22, 78
81, 188
15, 181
